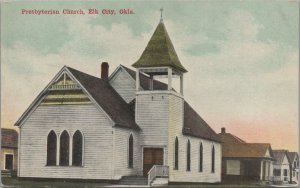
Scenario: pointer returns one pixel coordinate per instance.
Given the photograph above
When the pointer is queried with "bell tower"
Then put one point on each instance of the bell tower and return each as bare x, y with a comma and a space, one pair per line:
159, 107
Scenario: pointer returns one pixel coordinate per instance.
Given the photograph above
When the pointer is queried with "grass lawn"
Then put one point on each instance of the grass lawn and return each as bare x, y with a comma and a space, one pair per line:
15, 183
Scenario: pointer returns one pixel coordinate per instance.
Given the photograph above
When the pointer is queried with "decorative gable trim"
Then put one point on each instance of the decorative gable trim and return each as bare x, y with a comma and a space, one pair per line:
37, 101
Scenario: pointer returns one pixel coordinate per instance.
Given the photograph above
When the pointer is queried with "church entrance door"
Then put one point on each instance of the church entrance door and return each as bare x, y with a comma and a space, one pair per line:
152, 156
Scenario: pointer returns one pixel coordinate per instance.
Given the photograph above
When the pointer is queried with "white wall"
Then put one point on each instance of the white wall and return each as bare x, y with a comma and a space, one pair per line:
181, 175
121, 140
98, 142
124, 84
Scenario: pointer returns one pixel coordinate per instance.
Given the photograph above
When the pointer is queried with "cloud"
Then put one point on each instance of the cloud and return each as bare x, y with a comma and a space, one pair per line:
26, 70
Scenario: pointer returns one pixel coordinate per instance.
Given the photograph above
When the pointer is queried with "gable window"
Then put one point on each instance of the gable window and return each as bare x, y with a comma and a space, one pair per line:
51, 149
213, 159
77, 148
130, 151
188, 156
201, 158
176, 154
64, 149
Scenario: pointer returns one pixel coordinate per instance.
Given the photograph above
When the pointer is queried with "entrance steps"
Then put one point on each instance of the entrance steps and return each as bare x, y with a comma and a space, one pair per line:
8, 173
159, 182
133, 180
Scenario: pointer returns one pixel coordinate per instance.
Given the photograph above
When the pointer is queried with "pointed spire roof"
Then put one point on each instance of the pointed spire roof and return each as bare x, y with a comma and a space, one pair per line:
160, 51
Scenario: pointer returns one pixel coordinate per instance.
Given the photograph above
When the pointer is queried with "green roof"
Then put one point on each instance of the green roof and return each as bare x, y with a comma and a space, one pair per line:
160, 51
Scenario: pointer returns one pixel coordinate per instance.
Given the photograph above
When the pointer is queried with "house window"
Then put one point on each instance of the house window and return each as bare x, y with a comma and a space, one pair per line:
64, 149
277, 172
51, 148
130, 151
188, 156
176, 154
201, 158
213, 160
285, 172
77, 148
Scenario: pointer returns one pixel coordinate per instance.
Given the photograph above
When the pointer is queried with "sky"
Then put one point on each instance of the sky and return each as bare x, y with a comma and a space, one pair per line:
241, 56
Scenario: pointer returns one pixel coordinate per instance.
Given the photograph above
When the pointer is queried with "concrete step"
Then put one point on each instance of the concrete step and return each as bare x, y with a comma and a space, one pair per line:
133, 180
160, 182
7, 173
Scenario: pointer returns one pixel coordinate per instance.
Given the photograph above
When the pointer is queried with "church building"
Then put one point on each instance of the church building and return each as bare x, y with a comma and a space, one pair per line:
127, 124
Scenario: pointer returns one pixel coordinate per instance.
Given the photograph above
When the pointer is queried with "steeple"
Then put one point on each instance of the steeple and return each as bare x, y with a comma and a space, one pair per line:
159, 59
160, 51
161, 17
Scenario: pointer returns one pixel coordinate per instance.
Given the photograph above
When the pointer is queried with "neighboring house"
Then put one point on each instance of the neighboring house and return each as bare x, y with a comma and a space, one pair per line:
243, 161
281, 169
294, 166
9, 150
84, 127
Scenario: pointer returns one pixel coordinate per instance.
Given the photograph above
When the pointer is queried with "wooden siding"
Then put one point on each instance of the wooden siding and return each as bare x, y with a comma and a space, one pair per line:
152, 115
175, 129
124, 84
98, 142
121, 139
283, 166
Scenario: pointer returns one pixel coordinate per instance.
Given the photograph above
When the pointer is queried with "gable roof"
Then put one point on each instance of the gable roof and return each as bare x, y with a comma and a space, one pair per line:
159, 51
245, 150
235, 147
194, 125
292, 156
9, 138
101, 92
104, 94
279, 155
230, 138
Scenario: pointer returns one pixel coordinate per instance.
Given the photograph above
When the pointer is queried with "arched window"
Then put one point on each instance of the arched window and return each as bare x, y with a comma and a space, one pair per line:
188, 156
130, 151
51, 148
201, 158
176, 154
77, 148
213, 159
64, 149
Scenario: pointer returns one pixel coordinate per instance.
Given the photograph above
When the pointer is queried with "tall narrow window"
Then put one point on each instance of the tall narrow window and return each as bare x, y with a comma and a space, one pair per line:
176, 154
188, 156
64, 149
130, 151
213, 159
201, 158
51, 149
77, 149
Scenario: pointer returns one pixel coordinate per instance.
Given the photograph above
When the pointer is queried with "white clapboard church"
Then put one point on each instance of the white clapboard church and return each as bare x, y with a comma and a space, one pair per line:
118, 126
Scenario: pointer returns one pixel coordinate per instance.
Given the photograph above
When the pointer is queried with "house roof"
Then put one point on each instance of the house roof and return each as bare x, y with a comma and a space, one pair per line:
279, 155
230, 138
104, 94
194, 125
292, 156
159, 51
9, 138
245, 150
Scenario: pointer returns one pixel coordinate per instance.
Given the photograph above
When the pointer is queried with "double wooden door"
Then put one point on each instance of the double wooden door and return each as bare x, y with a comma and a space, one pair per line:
152, 156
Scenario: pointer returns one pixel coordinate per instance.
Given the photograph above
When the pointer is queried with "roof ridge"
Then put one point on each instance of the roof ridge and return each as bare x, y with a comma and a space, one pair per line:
84, 73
